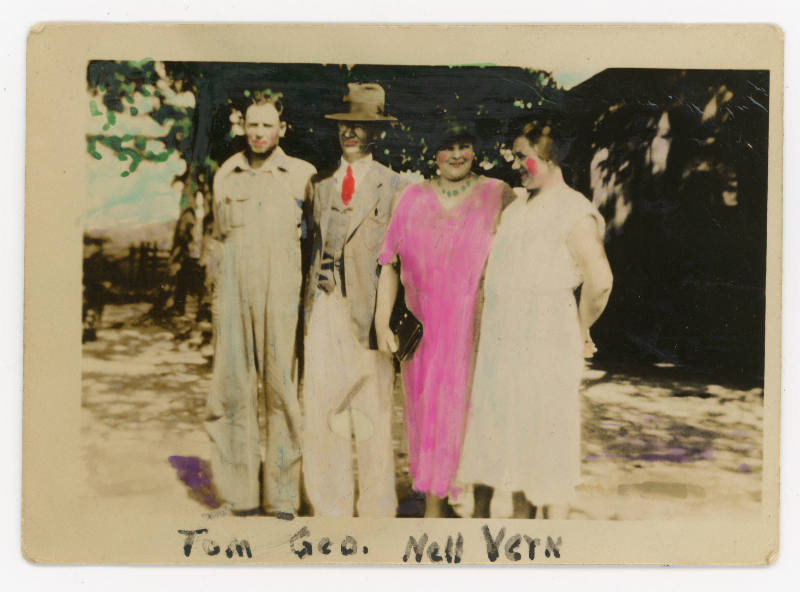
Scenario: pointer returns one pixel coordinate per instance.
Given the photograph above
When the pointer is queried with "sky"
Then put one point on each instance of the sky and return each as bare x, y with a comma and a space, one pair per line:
569, 79
147, 195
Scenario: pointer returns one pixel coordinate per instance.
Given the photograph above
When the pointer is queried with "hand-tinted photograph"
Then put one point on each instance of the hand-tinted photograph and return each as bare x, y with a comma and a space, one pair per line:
456, 291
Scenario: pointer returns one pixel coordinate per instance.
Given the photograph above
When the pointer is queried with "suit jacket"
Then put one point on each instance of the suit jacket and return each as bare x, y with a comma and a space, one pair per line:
372, 209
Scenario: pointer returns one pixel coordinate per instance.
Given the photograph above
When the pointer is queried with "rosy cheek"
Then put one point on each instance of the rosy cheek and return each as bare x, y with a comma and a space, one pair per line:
530, 164
441, 157
467, 155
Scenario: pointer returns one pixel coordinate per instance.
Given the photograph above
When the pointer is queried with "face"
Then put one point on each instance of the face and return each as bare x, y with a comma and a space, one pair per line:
355, 139
263, 127
533, 170
455, 161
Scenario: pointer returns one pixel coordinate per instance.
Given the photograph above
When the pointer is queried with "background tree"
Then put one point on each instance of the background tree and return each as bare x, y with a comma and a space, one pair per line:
176, 88
171, 94
677, 162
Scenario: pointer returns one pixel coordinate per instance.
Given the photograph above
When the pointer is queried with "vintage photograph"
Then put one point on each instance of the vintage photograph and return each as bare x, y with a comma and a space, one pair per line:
463, 290
582, 255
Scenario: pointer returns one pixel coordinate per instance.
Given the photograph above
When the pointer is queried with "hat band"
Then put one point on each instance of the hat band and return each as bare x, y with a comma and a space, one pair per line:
370, 109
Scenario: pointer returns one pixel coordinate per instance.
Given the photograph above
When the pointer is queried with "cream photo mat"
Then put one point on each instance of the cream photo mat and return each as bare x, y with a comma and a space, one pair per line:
60, 525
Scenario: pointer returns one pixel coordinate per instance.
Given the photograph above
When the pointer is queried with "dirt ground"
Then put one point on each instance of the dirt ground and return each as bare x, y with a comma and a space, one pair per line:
656, 444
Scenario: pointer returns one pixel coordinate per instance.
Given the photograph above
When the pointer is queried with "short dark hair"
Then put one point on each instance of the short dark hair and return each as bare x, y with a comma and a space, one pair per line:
260, 98
452, 131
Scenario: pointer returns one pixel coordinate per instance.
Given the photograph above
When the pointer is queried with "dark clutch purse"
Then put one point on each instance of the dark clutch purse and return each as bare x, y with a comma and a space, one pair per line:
406, 327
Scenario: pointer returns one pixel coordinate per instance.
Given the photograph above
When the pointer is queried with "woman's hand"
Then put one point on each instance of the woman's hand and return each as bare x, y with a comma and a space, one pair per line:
387, 341
388, 283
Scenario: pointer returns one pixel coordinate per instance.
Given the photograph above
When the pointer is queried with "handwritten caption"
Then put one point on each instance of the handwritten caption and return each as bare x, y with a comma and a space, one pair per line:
515, 548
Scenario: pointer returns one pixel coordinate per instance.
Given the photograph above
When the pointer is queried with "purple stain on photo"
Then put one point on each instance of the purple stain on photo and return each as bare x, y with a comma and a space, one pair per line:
590, 457
196, 475
744, 468
675, 452
659, 457
679, 455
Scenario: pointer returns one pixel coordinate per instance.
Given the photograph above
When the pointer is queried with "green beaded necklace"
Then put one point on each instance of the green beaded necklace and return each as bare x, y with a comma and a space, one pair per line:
454, 192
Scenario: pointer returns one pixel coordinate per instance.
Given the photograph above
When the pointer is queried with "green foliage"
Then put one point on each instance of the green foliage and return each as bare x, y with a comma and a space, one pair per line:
120, 86
263, 93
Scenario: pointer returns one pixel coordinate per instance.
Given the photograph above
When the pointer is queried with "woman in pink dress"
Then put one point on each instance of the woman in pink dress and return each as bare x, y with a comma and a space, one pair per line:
439, 234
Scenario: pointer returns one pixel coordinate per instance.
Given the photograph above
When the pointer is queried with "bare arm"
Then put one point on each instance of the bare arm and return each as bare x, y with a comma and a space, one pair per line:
388, 282
587, 249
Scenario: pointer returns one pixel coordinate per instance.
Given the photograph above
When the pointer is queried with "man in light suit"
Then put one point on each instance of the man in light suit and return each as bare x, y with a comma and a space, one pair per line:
347, 383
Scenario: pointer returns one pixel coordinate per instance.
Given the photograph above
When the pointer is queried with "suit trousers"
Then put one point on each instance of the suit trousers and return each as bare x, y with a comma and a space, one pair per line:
347, 394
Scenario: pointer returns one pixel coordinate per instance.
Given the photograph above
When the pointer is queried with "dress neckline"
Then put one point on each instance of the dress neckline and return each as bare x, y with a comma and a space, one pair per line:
468, 197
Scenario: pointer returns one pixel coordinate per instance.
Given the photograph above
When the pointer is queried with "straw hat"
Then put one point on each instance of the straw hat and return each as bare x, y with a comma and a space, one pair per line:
366, 101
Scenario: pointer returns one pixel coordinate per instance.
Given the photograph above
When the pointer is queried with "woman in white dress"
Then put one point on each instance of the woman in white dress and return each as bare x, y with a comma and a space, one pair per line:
523, 433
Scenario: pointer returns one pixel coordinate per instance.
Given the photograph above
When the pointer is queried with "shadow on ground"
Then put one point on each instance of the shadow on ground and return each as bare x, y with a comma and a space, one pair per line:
656, 443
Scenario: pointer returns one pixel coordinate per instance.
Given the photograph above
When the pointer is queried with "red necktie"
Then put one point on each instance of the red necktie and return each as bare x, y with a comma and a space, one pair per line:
348, 186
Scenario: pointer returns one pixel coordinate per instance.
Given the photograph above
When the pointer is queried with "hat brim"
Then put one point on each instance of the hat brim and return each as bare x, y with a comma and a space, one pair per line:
360, 117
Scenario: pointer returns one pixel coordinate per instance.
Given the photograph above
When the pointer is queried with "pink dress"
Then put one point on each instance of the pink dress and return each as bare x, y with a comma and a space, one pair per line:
442, 256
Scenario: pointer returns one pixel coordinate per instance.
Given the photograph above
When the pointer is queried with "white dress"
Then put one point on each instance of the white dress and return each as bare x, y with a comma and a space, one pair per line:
523, 432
